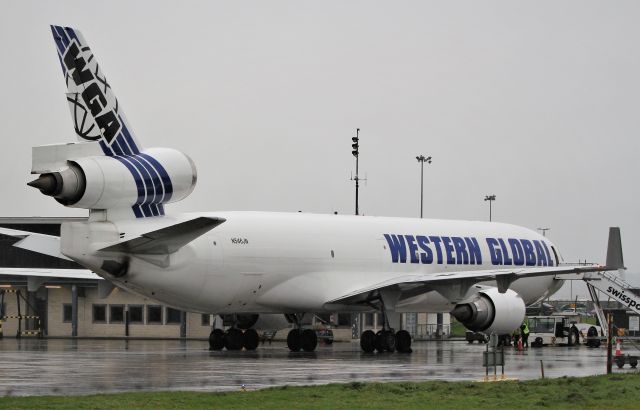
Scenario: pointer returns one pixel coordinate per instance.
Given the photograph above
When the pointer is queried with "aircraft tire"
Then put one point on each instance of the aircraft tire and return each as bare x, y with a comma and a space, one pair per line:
389, 340
403, 341
233, 339
309, 340
379, 342
368, 341
216, 339
294, 340
250, 339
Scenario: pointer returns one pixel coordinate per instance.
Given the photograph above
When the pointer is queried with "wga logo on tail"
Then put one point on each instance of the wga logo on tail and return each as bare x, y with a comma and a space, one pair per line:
91, 96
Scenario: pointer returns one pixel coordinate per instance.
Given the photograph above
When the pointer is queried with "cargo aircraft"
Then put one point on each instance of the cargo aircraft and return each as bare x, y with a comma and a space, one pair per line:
247, 264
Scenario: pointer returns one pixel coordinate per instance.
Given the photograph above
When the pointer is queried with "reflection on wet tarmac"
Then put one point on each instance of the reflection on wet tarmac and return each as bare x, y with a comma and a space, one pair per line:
65, 366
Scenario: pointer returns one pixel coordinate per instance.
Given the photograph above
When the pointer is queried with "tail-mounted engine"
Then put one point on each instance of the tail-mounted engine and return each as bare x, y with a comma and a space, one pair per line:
490, 311
154, 176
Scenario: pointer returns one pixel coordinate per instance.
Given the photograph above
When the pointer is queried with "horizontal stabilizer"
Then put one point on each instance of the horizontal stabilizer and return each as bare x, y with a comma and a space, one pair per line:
44, 273
166, 240
614, 249
36, 242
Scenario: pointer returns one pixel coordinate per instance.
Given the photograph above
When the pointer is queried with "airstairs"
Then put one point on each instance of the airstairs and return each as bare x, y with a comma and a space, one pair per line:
612, 285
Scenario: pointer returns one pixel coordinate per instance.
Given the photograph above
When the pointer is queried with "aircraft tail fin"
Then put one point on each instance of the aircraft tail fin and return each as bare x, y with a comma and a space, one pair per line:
95, 111
614, 249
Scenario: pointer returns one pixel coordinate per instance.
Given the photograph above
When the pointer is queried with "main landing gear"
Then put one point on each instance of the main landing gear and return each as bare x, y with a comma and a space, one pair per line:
385, 341
233, 339
301, 339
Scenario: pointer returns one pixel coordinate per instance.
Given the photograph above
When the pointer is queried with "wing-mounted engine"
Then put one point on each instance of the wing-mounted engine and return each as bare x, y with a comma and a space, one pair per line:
490, 311
81, 177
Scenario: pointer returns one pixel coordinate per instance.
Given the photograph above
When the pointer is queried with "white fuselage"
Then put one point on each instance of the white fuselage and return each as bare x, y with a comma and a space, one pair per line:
263, 262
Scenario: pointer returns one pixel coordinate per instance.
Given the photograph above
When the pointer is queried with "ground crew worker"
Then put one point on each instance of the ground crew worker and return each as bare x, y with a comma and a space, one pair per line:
524, 329
516, 337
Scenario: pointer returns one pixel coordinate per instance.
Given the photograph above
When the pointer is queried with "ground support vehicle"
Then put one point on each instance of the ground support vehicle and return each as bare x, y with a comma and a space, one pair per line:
624, 359
503, 340
552, 330
591, 335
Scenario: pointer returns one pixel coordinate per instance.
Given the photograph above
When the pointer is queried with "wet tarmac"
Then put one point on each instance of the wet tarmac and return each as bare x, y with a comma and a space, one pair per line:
70, 367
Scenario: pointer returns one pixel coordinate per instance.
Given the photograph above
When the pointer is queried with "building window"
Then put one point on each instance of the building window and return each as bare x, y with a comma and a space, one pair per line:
135, 314
154, 314
67, 313
116, 313
99, 313
173, 315
344, 319
205, 320
368, 319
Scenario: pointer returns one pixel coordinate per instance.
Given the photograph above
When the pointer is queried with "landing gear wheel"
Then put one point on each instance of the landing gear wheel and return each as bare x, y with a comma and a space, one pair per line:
403, 341
633, 363
294, 340
309, 340
250, 339
216, 339
233, 339
385, 341
390, 340
368, 341
378, 342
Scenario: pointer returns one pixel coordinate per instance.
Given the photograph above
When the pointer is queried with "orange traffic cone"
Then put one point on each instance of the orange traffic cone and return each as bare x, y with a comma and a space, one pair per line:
520, 346
618, 347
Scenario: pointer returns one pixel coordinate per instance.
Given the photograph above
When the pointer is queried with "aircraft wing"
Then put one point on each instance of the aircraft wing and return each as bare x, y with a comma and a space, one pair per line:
503, 277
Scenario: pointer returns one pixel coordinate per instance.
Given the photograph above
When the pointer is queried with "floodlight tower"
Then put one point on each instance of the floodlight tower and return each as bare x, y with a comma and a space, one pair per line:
356, 153
490, 198
422, 159
544, 231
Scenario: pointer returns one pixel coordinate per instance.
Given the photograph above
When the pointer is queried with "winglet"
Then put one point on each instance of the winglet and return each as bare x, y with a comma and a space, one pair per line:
614, 249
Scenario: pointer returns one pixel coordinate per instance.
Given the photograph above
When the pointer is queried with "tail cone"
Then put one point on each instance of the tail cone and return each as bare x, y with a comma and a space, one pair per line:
48, 184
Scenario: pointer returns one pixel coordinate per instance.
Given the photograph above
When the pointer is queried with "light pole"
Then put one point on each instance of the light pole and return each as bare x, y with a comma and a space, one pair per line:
490, 198
356, 153
544, 231
422, 159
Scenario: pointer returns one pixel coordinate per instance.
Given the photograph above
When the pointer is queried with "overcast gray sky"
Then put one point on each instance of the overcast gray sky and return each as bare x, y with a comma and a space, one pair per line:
535, 102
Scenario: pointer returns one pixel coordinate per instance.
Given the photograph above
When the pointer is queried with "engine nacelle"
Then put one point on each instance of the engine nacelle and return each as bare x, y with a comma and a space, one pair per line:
155, 176
490, 311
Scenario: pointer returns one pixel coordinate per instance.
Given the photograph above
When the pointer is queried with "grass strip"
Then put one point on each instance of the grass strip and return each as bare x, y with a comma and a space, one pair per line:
619, 391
